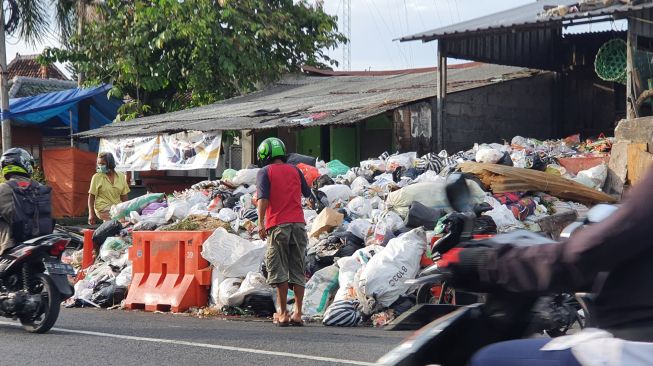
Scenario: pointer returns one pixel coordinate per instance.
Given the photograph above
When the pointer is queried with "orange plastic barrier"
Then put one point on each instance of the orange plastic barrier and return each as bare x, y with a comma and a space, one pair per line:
168, 272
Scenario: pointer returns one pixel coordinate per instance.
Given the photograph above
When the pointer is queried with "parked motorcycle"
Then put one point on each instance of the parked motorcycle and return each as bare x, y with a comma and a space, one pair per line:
34, 282
454, 338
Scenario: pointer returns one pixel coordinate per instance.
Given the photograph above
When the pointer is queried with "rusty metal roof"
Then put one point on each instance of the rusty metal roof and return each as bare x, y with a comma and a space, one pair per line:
525, 17
305, 101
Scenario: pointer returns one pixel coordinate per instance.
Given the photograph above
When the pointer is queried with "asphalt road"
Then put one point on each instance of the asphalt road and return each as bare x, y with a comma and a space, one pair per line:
102, 337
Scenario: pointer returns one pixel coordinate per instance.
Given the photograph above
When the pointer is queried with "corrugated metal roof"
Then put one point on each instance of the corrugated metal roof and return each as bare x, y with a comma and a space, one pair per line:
327, 100
525, 16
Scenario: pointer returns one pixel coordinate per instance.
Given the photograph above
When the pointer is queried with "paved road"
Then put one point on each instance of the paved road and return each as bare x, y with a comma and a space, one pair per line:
101, 337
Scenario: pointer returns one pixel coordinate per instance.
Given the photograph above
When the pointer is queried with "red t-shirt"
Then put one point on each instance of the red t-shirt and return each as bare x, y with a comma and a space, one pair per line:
283, 185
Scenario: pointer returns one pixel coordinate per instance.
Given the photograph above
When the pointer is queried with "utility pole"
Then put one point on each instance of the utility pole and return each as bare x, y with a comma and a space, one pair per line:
4, 92
346, 27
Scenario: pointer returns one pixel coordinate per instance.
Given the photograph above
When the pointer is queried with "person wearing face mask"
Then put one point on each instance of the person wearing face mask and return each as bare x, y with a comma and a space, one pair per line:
108, 188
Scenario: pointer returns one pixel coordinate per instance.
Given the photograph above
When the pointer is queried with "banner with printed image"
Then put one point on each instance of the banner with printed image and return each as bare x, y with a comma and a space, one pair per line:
181, 151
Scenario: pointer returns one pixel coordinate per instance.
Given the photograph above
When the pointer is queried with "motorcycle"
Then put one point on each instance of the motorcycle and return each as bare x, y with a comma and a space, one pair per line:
459, 332
34, 282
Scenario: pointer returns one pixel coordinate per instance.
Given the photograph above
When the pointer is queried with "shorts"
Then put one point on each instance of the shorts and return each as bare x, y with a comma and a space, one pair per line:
285, 255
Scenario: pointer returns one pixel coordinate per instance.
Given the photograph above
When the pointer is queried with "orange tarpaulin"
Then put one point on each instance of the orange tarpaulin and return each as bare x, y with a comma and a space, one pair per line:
68, 171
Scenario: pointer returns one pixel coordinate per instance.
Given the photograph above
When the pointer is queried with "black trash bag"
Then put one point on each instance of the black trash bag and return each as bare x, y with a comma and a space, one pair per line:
318, 200
484, 225
396, 175
323, 181
106, 230
538, 163
107, 294
313, 265
403, 304
261, 305
480, 208
412, 173
420, 215
505, 159
296, 159
232, 201
263, 268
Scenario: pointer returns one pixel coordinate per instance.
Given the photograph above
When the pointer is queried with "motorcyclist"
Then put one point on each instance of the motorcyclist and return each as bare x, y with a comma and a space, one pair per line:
25, 205
614, 258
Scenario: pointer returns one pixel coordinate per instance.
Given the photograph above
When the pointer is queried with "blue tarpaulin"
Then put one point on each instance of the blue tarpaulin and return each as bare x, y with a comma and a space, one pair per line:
53, 109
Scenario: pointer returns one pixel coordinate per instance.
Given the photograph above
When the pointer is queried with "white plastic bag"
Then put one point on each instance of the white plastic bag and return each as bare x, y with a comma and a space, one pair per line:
348, 268
362, 228
372, 165
124, 279
359, 186
232, 255
383, 279
177, 210
337, 192
245, 176
431, 194
254, 282
404, 161
113, 248
227, 215
226, 289
504, 219
309, 216
360, 207
593, 177
429, 176
488, 155
319, 290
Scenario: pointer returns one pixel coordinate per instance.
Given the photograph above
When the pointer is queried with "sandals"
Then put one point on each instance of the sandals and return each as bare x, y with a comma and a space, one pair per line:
294, 323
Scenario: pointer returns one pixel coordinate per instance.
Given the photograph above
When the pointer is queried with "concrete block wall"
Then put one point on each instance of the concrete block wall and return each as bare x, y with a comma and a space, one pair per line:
499, 112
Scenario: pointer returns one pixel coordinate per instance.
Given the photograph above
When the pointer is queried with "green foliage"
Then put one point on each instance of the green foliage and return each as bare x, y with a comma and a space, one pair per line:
168, 55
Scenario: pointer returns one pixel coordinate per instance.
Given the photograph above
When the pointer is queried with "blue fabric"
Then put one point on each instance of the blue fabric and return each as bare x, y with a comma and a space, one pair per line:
53, 109
522, 352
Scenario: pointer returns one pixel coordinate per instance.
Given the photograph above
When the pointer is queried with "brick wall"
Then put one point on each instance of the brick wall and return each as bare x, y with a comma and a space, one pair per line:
499, 112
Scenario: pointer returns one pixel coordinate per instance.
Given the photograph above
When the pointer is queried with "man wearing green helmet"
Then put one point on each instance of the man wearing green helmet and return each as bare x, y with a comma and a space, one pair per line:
281, 221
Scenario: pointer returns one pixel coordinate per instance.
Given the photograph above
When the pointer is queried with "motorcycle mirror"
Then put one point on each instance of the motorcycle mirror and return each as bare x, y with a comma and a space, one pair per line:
600, 212
458, 193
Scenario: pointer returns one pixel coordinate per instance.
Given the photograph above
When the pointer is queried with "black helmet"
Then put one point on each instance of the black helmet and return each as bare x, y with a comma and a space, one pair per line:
17, 161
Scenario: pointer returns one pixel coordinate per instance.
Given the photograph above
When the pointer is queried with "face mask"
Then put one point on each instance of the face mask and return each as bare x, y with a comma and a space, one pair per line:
102, 169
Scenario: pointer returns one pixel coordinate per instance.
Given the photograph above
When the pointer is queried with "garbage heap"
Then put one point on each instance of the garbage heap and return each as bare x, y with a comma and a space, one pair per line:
369, 227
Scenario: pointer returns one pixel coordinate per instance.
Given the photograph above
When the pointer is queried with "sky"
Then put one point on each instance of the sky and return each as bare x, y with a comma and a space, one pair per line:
375, 23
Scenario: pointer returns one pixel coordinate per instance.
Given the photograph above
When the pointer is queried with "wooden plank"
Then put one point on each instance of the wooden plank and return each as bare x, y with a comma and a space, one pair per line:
638, 166
538, 181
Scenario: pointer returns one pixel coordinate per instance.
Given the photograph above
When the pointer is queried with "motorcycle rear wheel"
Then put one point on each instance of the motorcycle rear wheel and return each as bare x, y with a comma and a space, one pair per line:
48, 312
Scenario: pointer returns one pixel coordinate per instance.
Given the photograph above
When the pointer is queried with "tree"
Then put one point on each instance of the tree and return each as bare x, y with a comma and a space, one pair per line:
168, 55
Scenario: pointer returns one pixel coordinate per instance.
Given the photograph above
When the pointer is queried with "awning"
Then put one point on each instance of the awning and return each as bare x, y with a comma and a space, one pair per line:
53, 109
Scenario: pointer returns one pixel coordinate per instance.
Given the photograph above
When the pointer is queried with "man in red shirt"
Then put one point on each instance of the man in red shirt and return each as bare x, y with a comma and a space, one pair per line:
281, 219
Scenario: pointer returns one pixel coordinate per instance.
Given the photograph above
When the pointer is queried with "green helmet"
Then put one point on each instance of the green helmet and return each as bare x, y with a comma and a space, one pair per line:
270, 149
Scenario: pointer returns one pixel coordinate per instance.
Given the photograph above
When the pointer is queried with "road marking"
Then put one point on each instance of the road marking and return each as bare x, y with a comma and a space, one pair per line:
205, 345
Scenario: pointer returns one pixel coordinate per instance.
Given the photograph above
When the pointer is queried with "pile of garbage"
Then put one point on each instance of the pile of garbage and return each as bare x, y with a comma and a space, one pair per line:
369, 226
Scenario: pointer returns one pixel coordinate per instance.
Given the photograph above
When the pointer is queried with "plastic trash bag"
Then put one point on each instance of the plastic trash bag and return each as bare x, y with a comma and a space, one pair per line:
311, 173
227, 288
227, 215
359, 186
336, 168
319, 291
420, 215
123, 209
359, 207
177, 210
254, 283
124, 279
347, 272
232, 255
594, 177
404, 161
245, 176
107, 294
113, 248
107, 229
362, 228
488, 155
383, 278
431, 194
229, 174
504, 219
343, 313
337, 192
